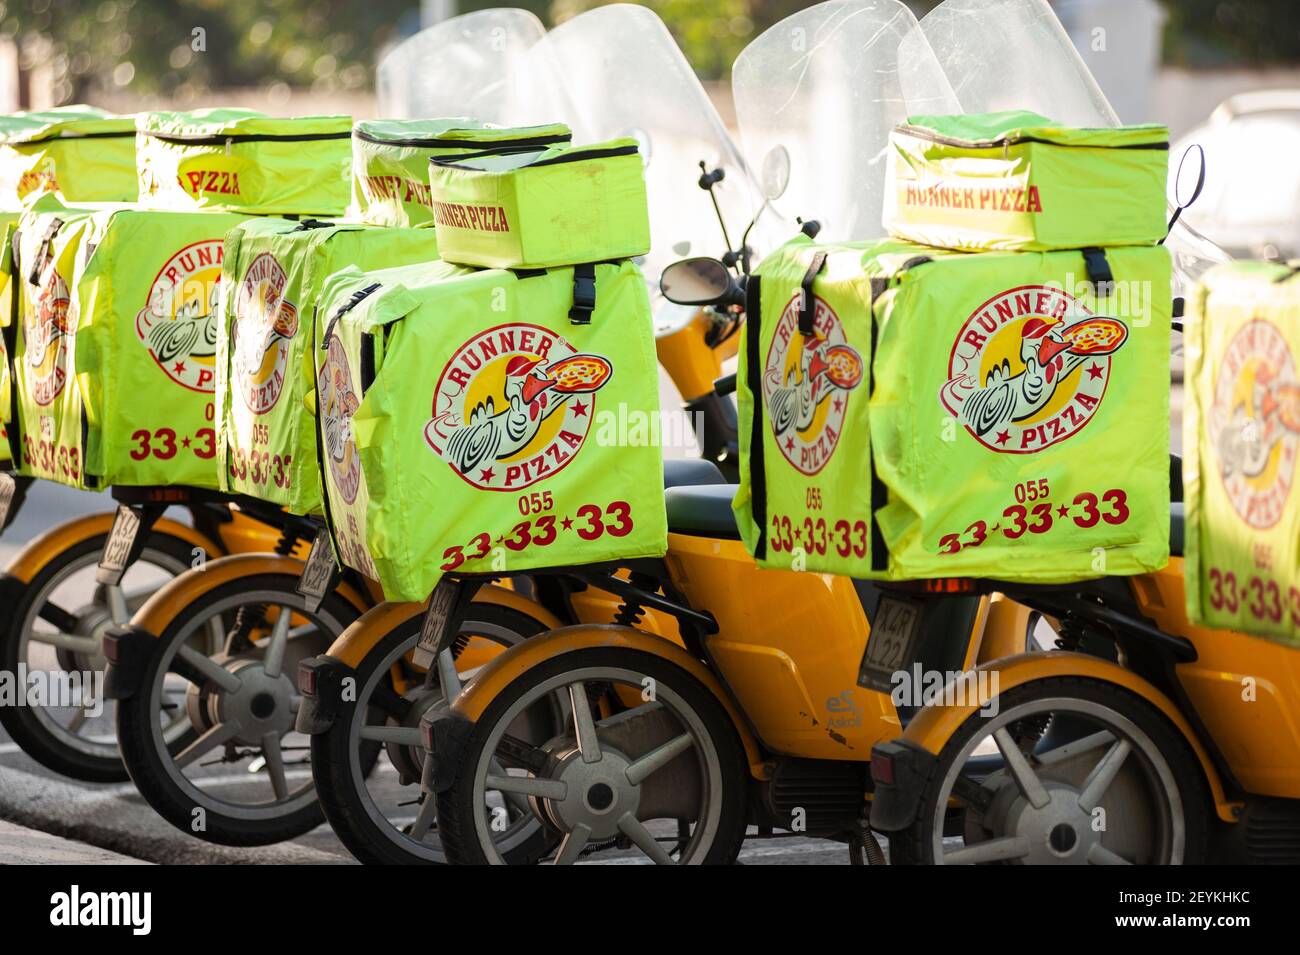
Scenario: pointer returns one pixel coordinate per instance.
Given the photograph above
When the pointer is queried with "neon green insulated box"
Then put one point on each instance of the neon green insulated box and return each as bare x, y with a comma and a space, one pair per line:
46, 430
390, 160
275, 271
146, 345
1018, 180
239, 160
475, 421
908, 413
1241, 434
565, 206
8, 328
77, 153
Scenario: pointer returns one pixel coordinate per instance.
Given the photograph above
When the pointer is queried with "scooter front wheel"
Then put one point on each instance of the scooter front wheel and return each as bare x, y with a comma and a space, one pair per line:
1065, 771
242, 779
647, 767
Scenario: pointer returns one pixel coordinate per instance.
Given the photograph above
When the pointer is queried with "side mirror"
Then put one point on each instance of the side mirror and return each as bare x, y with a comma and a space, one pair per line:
697, 281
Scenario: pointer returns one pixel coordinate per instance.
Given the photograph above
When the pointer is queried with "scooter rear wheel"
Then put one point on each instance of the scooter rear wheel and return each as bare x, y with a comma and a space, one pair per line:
53, 628
387, 821
648, 764
1068, 771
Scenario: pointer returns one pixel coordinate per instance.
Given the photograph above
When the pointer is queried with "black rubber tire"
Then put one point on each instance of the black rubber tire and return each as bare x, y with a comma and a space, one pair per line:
19, 721
331, 765
135, 719
912, 846
456, 809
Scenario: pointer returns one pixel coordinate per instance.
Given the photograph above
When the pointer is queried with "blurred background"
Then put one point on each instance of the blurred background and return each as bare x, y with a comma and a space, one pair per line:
1224, 73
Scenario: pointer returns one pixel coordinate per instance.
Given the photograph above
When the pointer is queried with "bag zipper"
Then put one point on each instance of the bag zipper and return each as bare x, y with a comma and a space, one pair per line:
487, 147
575, 156
56, 136
921, 132
242, 138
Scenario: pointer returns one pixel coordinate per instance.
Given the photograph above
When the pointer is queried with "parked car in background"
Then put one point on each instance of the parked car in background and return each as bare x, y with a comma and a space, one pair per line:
1251, 203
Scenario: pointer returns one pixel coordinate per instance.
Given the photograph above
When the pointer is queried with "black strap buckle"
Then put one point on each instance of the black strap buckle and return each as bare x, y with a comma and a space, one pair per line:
1099, 273
807, 301
584, 294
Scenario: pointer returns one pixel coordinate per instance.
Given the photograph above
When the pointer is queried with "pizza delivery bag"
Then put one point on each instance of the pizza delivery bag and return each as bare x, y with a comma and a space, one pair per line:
477, 421
147, 299
275, 270
8, 327
564, 206
46, 430
390, 160
907, 413
77, 153
1018, 180
1241, 434
240, 160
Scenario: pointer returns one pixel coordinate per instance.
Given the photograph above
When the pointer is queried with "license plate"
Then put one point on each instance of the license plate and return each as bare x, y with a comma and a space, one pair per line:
435, 621
117, 550
318, 572
7, 488
891, 643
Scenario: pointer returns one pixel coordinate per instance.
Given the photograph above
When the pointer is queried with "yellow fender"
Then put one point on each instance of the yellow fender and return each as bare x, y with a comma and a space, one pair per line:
354, 643
169, 600
503, 670
933, 726
38, 553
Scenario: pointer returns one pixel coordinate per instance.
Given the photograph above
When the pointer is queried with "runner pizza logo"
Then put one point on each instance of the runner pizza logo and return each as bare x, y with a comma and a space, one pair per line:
1030, 368
1254, 422
514, 405
338, 403
806, 385
179, 322
45, 334
264, 326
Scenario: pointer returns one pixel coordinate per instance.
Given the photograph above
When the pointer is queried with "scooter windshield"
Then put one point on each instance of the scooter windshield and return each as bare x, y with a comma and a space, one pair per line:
816, 97
460, 67
1014, 54
616, 71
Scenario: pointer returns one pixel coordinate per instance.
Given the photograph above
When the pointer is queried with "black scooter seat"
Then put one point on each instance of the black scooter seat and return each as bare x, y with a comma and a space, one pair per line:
702, 510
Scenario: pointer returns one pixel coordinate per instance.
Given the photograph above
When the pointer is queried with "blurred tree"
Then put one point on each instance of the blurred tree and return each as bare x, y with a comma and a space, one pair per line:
152, 47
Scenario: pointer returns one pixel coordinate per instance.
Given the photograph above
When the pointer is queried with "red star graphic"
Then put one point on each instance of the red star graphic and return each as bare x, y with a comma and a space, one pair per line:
839, 404
1004, 437
1063, 511
185, 442
579, 409
789, 444
486, 474
566, 524
1094, 371
179, 367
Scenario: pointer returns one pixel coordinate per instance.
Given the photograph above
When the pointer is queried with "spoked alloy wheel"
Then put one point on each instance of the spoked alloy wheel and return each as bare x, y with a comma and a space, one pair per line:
1068, 772
53, 633
647, 767
243, 778
383, 817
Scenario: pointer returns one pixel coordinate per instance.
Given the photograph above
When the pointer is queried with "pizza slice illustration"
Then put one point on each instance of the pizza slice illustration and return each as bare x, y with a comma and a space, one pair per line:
1095, 336
580, 374
844, 366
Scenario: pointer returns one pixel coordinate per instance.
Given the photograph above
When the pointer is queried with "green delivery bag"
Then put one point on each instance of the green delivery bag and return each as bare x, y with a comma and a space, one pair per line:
565, 206
471, 425
954, 414
77, 153
275, 270
1018, 180
8, 327
390, 160
239, 160
47, 429
1241, 434
146, 345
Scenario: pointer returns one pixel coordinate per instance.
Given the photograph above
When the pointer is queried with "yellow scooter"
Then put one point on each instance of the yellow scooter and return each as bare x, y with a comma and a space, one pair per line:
1166, 743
